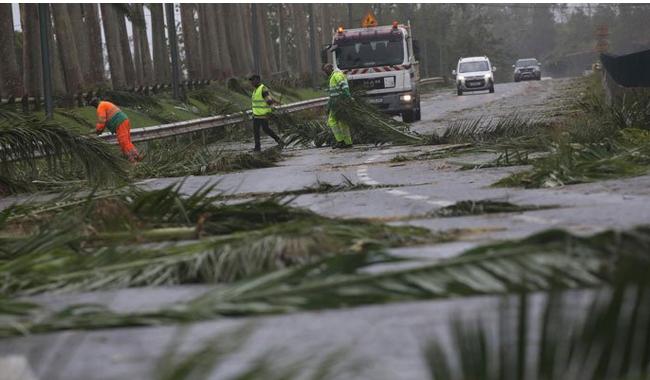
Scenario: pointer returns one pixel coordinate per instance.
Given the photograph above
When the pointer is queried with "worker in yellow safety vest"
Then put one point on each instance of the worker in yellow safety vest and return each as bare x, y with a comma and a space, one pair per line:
261, 106
338, 89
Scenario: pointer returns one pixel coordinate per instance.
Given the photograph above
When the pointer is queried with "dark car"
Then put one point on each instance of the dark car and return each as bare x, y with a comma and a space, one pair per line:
528, 68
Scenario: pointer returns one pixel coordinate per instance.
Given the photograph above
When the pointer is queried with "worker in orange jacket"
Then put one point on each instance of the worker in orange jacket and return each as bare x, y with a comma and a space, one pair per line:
109, 116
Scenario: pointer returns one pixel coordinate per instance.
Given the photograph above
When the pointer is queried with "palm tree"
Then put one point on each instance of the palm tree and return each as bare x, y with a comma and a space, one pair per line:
95, 50
11, 82
112, 36
161, 64
32, 68
67, 46
191, 41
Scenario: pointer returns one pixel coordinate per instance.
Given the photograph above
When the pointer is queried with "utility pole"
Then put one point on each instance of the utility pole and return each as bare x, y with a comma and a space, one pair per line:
349, 16
173, 49
256, 40
312, 46
44, 24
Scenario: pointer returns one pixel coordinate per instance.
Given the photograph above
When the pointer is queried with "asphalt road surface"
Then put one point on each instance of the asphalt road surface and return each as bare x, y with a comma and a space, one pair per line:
384, 341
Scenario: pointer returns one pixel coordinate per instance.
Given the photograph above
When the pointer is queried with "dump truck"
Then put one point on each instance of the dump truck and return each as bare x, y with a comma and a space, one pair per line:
380, 63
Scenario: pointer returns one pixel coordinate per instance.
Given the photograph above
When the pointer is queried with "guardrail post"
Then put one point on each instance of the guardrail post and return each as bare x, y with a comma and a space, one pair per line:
173, 47
24, 101
44, 23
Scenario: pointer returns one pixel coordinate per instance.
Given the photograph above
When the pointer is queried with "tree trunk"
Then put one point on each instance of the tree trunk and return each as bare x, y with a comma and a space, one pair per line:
222, 41
209, 43
81, 39
301, 42
32, 67
67, 46
245, 13
95, 50
112, 36
282, 32
58, 81
204, 42
268, 40
266, 66
143, 39
191, 42
137, 56
161, 64
125, 45
237, 43
11, 83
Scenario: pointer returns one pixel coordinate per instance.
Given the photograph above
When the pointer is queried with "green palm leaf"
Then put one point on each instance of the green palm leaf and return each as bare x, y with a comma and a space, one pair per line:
31, 148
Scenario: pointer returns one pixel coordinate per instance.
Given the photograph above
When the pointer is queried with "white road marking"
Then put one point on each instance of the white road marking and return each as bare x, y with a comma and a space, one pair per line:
366, 179
534, 219
416, 197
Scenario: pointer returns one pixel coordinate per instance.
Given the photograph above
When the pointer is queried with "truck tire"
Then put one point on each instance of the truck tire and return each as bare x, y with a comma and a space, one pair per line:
408, 116
460, 92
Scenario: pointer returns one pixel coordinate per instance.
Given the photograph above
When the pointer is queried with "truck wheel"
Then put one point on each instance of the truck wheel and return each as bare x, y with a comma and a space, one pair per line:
460, 92
492, 89
408, 116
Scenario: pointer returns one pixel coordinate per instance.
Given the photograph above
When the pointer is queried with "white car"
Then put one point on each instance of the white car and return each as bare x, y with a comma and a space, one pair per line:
474, 74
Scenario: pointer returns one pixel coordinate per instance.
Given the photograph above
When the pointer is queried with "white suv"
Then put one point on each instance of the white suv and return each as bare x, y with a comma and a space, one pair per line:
474, 74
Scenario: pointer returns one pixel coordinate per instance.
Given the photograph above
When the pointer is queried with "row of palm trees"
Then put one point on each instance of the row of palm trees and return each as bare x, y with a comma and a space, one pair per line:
126, 45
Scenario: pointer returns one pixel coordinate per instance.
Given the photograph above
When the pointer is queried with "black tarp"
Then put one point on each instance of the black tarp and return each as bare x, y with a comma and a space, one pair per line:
630, 70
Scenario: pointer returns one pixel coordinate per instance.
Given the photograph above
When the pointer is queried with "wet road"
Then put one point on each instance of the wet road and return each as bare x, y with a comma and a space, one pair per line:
386, 339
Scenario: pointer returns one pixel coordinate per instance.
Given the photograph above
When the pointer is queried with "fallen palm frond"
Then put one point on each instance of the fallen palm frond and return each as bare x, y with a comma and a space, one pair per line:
604, 338
273, 364
367, 126
172, 160
549, 260
32, 149
626, 155
465, 208
514, 129
222, 242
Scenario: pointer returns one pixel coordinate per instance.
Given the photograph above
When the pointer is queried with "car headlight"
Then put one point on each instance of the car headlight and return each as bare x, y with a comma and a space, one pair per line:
460, 78
389, 82
488, 76
406, 98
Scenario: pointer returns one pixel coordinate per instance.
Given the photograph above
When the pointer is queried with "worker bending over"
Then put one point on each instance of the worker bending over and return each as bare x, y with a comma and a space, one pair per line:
261, 105
338, 89
109, 116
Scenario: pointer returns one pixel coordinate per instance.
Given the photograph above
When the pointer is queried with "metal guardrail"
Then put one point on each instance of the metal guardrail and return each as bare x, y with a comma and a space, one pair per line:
203, 124
433, 80
198, 125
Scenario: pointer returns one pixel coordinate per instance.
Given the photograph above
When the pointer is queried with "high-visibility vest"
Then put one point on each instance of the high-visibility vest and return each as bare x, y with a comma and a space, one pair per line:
261, 109
109, 116
338, 84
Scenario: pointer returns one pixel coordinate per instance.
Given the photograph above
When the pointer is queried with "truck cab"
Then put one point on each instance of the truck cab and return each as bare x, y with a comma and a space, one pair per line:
380, 62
